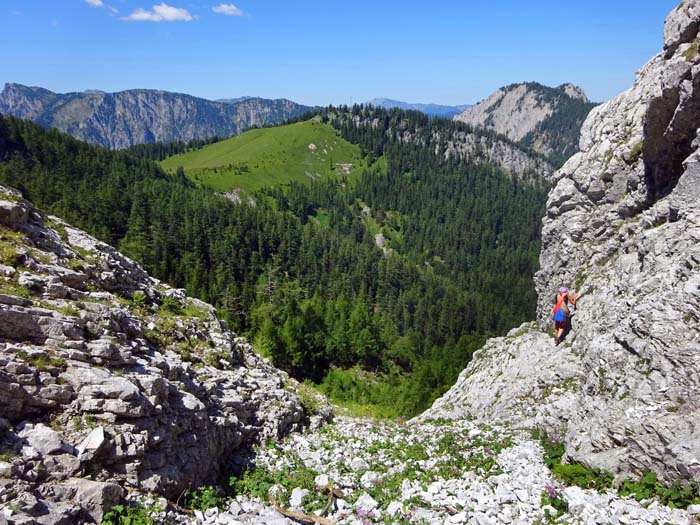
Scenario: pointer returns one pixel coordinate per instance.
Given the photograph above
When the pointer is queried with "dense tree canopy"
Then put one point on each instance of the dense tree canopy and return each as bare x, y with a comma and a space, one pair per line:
301, 272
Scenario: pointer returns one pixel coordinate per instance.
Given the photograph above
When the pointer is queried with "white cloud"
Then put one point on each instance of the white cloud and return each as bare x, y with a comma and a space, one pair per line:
227, 9
100, 4
160, 13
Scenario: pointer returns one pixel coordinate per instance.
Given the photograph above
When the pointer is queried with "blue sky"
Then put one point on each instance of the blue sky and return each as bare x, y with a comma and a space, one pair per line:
322, 52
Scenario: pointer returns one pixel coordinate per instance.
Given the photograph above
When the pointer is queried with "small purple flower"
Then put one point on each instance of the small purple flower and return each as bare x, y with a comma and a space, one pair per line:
361, 512
552, 491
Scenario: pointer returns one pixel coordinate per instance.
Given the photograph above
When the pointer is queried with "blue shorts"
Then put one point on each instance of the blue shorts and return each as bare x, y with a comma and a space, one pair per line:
560, 315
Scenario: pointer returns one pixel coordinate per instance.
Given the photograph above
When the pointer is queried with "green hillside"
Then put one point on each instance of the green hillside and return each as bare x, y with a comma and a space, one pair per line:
298, 152
301, 273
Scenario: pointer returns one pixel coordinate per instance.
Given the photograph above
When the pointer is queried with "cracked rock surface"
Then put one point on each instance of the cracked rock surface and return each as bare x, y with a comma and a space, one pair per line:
109, 374
622, 228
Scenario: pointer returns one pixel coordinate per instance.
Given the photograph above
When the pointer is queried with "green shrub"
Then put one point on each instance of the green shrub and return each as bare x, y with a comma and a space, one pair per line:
310, 401
635, 152
203, 498
191, 310
581, 476
692, 52
573, 474
553, 450
257, 482
171, 304
135, 514
138, 299
679, 495
42, 362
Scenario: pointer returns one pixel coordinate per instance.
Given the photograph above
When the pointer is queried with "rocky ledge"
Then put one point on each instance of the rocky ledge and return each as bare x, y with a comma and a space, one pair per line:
111, 381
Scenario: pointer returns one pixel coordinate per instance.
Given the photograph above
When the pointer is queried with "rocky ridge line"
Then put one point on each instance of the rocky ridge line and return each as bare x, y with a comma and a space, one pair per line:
112, 381
139, 116
622, 227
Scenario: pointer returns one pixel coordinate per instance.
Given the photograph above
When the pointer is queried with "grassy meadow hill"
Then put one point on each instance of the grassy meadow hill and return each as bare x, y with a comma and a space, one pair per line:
300, 152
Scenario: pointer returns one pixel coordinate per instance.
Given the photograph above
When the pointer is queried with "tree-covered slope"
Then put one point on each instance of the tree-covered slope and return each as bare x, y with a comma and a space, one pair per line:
444, 140
300, 272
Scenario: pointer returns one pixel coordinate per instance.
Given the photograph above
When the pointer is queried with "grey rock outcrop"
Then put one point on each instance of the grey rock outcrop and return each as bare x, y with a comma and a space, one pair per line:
544, 118
622, 227
108, 373
139, 116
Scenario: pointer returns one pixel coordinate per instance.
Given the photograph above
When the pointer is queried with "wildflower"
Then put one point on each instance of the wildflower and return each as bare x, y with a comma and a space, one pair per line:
552, 491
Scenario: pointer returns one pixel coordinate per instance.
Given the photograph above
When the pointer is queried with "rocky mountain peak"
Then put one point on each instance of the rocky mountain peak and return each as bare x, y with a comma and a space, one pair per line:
543, 118
574, 91
622, 228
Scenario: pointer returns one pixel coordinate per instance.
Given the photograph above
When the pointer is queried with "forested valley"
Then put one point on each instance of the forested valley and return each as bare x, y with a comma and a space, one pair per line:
300, 271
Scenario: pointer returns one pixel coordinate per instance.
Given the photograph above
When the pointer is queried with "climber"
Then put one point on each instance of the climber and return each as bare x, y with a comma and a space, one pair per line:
562, 313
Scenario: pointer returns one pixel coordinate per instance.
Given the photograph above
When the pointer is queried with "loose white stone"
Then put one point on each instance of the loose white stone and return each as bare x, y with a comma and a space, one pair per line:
358, 464
366, 502
297, 497
322, 480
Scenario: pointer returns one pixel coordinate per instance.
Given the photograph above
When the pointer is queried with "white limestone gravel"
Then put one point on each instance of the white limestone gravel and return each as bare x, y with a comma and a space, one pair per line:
447, 472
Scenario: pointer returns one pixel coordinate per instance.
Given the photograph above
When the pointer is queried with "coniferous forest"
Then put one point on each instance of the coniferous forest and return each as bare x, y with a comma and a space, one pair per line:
300, 271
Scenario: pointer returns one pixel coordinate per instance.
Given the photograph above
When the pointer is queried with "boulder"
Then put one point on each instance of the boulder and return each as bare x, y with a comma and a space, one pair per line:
43, 439
13, 214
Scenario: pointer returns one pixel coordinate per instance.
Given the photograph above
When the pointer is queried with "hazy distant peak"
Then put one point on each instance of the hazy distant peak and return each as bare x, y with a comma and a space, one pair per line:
433, 110
233, 100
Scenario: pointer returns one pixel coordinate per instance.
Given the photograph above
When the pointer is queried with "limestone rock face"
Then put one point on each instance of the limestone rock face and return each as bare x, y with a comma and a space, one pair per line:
138, 116
622, 228
108, 373
527, 112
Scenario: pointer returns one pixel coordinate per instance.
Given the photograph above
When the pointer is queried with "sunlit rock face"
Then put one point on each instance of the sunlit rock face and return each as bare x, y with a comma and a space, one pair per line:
622, 227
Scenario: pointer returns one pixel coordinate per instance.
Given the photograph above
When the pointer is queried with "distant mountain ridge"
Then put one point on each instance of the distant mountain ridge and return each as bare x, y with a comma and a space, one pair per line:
122, 119
432, 110
546, 119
